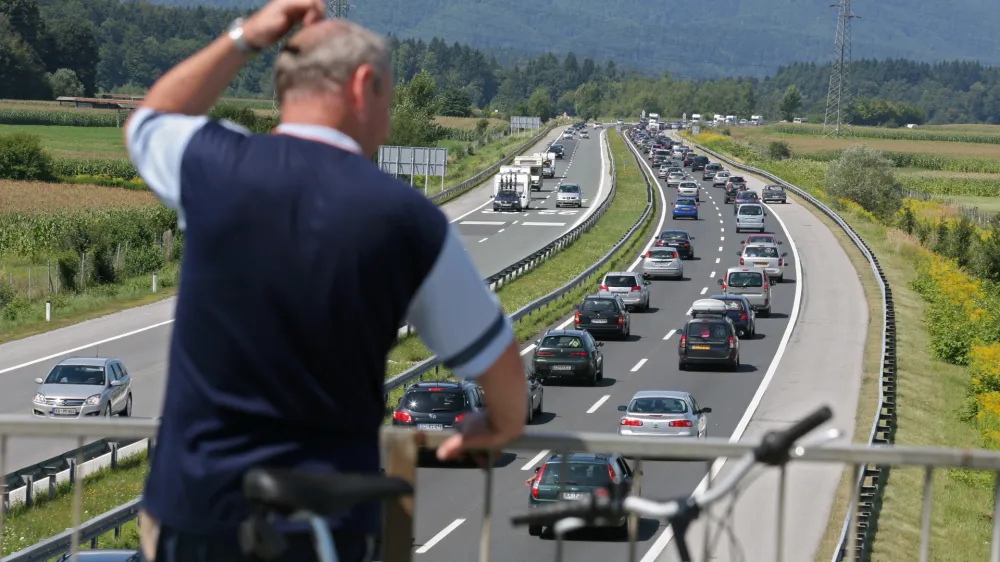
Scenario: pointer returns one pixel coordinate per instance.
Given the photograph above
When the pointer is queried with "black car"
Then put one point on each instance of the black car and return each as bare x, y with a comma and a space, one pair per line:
102, 555
568, 354
437, 405
741, 313
732, 190
743, 197
507, 200
709, 338
678, 239
559, 149
774, 192
603, 313
709, 172
699, 163
688, 159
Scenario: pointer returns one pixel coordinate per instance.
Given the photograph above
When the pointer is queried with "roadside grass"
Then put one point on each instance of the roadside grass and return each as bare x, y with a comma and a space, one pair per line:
987, 204
461, 168
466, 123
75, 142
24, 527
802, 144
931, 402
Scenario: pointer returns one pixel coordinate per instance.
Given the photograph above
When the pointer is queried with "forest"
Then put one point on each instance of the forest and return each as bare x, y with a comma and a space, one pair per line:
74, 47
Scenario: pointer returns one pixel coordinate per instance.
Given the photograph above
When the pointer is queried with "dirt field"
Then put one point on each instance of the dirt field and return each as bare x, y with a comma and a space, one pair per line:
464, 122
28, 196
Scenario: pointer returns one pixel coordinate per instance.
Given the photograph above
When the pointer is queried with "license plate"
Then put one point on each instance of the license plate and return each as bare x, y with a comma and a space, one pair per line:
662, 264
64, 411
701, 347
430, 426
562, 367
572, 495
599, 321
760, 263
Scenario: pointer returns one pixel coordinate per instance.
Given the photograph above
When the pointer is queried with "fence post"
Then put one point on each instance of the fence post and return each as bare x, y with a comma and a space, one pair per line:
48, 310
154, 282
48, 274
29, 490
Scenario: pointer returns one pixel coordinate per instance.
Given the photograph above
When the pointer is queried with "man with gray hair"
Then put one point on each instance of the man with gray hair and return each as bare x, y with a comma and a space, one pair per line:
285, 313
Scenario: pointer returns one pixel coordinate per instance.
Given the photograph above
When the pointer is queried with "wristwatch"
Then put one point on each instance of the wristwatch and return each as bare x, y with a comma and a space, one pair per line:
236, 34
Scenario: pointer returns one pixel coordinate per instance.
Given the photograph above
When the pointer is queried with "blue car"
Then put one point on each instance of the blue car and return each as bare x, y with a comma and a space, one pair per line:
687, 208
741, 313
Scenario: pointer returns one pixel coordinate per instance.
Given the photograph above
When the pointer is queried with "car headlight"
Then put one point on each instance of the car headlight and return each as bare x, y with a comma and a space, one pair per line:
94, 400
39, 399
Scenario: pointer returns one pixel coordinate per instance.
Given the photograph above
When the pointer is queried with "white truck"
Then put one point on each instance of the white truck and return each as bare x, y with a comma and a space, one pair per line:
512, 189
757, 119
548, 164
534, 164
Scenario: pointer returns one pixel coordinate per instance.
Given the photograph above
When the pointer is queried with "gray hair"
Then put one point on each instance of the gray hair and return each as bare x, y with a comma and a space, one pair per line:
329, 62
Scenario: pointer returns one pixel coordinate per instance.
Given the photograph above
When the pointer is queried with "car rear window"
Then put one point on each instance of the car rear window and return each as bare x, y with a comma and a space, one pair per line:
761, 252
426, 401
688, 184
600, 305
746, 279
619, 281
734, 305
578, 474
737, 179
562, 341
708, 331
769, 239
656, 405
751, 210
673, 236
686, 202
663, 254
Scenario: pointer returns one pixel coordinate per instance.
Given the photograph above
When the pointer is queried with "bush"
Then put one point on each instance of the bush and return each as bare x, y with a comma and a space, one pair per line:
986, 258
34, 235
68, 271
23, 158
7, 294
864, 176
143, 259
779, 150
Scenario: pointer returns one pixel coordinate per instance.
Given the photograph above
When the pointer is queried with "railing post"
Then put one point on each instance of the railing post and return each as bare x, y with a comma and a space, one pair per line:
29, 490
400, 451
114, 454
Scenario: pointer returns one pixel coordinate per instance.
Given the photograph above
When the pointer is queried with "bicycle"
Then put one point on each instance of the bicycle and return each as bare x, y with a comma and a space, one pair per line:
773, 450
310, 497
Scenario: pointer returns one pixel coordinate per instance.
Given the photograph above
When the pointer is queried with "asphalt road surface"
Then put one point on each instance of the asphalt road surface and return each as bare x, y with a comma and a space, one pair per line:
140, 336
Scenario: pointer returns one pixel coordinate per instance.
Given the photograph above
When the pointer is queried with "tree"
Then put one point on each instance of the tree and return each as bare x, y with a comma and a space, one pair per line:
790, 103
865, 176
455, 103
64, 82
986, 258
540, 104
420, 93
747, 104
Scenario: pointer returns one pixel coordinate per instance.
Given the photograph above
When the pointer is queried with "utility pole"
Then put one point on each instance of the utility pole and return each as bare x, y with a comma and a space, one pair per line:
334, 9
838, 98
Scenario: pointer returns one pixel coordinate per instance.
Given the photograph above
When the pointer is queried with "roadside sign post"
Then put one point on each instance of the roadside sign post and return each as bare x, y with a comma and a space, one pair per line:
414, 161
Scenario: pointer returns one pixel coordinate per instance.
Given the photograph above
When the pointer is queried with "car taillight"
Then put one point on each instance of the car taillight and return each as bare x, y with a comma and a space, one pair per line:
576, 317
680, 423
458, 418
611, 473
403, 417
631, 423
649, 254
687, 244
781, 262
741, 261
677, 206
684, 341
543, 353
743, 316
766, 287
621, 318
732, 342
538, 479
659, 242
604, 287
579, 354
636, 288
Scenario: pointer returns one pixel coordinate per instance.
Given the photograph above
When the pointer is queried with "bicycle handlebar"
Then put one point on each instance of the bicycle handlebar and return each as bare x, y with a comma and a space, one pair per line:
773, 448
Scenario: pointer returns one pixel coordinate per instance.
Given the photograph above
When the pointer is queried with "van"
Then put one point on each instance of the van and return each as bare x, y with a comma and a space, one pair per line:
750, 216
752, 283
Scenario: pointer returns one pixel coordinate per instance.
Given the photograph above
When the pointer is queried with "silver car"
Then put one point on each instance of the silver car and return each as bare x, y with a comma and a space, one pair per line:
675, 178
84, 386
689, 189
570, 194
663, 172
584, 134
766, 257
568, 134
720, 179
752, 284
750, 216
631, 287
663, 262
663, 413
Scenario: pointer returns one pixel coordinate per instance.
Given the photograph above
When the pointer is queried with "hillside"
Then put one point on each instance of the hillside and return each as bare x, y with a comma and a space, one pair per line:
748, 37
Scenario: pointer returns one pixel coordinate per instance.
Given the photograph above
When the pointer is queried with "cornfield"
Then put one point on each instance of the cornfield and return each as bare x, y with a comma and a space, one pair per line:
881, 133
938, 162
68, 118
977, 187
35, 234
112, 168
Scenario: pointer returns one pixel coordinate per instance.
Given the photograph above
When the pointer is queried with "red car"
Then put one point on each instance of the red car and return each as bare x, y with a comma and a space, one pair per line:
759, 239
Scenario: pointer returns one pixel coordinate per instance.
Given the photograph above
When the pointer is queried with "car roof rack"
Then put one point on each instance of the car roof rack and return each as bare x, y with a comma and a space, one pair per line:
708, 308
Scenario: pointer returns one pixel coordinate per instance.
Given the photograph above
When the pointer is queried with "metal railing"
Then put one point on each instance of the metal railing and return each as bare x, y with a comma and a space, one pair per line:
859, 527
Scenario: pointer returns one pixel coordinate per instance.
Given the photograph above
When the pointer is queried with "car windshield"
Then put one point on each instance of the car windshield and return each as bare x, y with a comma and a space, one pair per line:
751, 210
619, 281
658, 405
761, 252
600, 305
578, 474
673, 236
556, 148
562, 341
685, 202
76, 374
434, 401
722, 175
707, 331
569, 188
746, 279
663, 254
506, 194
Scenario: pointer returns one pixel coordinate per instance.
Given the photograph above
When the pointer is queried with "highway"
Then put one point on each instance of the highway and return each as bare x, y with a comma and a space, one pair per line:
647, 361
140, 336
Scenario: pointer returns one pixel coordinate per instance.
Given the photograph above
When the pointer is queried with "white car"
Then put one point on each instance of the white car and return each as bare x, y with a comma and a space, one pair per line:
721, 178
675, 179
568, 134
584, 135
598, 125
689, 189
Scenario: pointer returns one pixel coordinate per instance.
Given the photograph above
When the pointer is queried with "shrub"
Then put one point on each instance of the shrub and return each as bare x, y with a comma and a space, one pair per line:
779, 150
23, 158
68, 271
986, 258
864, 176
143, 259
907, 220
114, 168
7, 294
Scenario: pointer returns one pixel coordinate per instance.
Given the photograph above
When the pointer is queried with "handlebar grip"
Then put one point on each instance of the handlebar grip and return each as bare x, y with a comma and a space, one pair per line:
547, 515
773, 449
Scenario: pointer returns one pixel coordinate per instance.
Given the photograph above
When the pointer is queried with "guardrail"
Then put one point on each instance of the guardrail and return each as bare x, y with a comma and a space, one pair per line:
499, 280
860, 522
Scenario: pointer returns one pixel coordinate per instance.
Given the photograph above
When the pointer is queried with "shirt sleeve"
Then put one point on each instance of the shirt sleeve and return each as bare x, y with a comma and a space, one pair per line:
157, 142
457, 316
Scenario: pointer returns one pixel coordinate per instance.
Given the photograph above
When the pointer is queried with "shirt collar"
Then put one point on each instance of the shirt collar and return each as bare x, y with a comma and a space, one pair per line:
321, 134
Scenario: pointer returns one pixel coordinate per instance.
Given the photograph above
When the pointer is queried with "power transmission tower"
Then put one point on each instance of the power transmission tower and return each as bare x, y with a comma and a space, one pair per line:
838, 99
334, 9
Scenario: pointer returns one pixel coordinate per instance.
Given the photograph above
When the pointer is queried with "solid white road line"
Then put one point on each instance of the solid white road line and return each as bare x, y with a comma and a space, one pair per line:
639, 364
531, 464
438, 537
598, 403
704, 290
664, 539
485, 223
483, 240
543, 224
669, 335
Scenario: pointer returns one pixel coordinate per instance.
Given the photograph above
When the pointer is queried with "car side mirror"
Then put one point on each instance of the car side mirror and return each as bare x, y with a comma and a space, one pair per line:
720, 281
706, 410
538, 343
784, 254
647, 282
692, 238
780, 242
600, 344
537, 468
38, 381
622, 408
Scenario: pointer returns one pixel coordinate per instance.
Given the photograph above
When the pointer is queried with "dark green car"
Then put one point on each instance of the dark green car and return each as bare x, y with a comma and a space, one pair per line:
587, 474
568, 355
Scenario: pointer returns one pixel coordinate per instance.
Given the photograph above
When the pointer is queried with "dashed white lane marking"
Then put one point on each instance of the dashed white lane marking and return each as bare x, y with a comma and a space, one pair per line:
711, 275
722, 229
531, 464
704, 290
484, 223
501, 230
437, 538
720, 220
723, 238
669, 335
716, 260
515, 222
639, 364
598, 404
720, 248
483, 240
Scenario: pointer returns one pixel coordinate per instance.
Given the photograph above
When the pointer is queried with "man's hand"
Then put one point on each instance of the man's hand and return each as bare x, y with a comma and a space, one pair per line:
272, 22
476, 439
